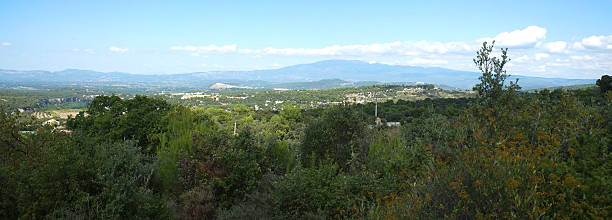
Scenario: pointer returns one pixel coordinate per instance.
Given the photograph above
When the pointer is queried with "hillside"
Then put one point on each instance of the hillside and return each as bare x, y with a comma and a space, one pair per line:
354, 73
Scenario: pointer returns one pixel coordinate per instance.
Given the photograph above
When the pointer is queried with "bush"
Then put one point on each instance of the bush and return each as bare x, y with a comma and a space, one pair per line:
338, 134
87, 181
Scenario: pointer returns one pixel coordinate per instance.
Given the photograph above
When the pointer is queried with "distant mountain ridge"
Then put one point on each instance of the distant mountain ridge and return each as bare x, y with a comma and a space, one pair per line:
349, 71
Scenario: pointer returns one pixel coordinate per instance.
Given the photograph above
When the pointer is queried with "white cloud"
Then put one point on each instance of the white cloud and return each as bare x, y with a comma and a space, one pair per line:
597, 42
527, 36
397, 48
585, 57
207, 49
214, 48
333, 50
540, 56
446, 47
519, 38
556, 47
540, 68
560, 63
577, 46
117, 49
433, 47
495, 53
384, 48
592, 41
521, 59
426, 62
379, 49
6, 44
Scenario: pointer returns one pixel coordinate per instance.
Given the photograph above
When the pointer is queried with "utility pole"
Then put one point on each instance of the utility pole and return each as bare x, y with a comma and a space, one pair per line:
377, 121
234, 128
376, 108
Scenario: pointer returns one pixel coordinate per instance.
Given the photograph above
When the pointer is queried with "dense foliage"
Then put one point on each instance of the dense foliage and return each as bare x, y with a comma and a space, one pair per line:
605, 83
46, 100
503, 154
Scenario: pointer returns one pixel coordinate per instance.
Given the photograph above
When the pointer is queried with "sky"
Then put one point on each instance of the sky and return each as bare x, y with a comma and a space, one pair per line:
570, 39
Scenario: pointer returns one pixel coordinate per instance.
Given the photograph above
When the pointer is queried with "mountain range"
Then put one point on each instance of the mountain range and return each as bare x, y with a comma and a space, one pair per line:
318, 75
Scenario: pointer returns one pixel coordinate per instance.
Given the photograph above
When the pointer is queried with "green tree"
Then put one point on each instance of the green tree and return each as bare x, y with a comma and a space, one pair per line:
492, 81
497, 102
111, 118
338, 134
142, 119
605, 83
291, 114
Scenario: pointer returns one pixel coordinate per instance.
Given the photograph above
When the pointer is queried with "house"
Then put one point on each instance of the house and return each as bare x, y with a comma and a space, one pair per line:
51, 122
394, 124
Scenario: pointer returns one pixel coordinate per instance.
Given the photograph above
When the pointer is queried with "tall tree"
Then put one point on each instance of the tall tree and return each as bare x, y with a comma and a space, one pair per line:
496, 99
492, 81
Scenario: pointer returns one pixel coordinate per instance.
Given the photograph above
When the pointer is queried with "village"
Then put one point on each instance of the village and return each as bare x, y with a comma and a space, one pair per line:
275, 99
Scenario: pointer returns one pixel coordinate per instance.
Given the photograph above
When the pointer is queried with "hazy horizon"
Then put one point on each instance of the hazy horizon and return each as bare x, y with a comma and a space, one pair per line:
271, 68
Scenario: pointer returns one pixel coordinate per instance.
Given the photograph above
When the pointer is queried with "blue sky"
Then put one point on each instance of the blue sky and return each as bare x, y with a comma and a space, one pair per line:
546, 38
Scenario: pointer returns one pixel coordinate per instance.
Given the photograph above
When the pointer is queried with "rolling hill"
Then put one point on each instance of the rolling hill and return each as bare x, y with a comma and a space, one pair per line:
319, 75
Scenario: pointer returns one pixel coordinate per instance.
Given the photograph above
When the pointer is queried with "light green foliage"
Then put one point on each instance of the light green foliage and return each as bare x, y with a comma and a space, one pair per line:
339, 134
203, 167
177, 142
219, 115
292, 114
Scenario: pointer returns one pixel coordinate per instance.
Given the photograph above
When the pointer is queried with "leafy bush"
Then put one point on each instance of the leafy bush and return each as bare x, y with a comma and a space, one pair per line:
85, 181
339, 134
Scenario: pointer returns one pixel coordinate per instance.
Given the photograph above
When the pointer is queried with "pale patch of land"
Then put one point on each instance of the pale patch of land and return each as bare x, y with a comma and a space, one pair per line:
61, 114
41, 115
227, 86
65, 113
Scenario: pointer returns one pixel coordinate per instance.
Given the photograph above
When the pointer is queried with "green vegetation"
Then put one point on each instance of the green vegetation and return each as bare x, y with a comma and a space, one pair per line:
605, 83
305, 99
497, 154
47, 100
